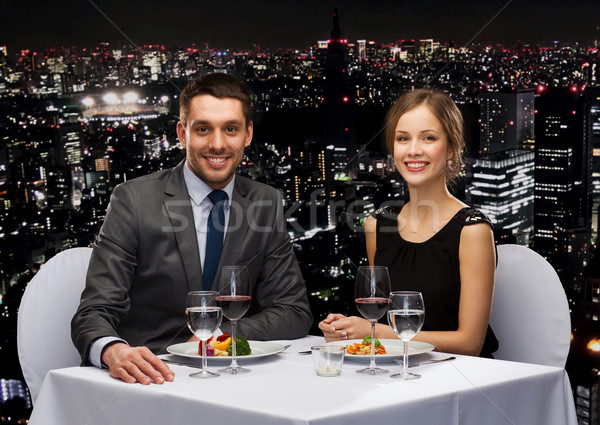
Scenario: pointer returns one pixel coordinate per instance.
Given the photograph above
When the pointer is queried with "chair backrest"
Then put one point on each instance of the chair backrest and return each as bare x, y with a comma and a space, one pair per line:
44, 321
530, 314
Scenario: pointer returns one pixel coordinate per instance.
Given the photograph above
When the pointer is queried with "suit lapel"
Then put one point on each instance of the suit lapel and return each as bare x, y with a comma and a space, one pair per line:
237, 227
178, 207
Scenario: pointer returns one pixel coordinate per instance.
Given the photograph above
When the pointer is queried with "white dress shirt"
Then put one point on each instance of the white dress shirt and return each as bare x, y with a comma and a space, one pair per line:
202, 205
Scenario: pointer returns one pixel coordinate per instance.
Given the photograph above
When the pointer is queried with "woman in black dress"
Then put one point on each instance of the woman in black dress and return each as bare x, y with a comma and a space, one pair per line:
435, 244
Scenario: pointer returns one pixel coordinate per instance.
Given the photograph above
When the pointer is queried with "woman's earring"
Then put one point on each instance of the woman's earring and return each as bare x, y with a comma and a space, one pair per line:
450, 163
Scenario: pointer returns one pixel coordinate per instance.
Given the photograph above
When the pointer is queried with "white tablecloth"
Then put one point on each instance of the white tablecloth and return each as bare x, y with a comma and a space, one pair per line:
283, 389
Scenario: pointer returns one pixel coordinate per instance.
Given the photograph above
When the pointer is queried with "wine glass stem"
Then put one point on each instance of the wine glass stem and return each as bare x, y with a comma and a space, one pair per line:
204, 357
405, 362
234, 364
372, 363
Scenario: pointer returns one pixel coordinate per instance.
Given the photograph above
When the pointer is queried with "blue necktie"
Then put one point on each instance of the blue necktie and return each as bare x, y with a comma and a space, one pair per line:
214, 237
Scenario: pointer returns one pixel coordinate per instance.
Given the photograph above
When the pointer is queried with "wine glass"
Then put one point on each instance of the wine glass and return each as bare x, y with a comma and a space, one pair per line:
406, 316
203, 318
234, 298
371, 291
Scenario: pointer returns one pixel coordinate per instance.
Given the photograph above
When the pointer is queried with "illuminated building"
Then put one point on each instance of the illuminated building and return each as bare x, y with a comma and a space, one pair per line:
152, 64
3, 55
362, 50
553, 194
374, 165
359, 196
4, 175
427, 47
340, 111
72, 146
318, 158
502, 188
502, 184
59, 188
151, 147
506, 120
14, 392
591, 119
560, 173
102, 164
68, 144
97, 180
77, 185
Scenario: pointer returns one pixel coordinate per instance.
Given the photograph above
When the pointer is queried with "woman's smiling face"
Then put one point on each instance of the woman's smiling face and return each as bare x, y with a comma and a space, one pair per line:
421, 147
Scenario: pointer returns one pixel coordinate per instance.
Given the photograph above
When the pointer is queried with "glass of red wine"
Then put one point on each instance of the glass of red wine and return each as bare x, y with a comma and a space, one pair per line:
371, 292
234, 298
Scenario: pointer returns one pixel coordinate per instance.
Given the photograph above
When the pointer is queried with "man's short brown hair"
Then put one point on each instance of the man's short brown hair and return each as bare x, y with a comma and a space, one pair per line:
218, 85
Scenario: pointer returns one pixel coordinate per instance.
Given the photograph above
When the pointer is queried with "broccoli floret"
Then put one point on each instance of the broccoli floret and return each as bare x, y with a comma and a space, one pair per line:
242, 347
367, 341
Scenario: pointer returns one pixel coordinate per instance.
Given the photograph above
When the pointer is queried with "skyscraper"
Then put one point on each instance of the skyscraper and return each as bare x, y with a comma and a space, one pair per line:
506, 120
502, 183
340, 111
502, 188
3, 57
68, 144
560, 157
362, 50
591, 117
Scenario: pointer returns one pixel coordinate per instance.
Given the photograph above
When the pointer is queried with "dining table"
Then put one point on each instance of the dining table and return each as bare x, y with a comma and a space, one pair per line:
283, 389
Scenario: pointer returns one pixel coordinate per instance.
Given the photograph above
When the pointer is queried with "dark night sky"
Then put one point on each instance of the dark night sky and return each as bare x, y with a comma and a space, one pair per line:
289, 23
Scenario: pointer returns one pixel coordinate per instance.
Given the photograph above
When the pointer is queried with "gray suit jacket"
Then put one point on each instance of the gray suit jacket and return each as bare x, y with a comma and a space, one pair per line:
146, 260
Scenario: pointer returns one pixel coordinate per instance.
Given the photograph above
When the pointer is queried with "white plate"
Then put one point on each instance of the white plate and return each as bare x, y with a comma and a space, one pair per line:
259, 349
393, 347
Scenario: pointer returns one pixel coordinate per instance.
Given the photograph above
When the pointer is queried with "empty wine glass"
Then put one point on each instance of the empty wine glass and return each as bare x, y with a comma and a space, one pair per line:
371, 291
234, 298
406, 316
203, 318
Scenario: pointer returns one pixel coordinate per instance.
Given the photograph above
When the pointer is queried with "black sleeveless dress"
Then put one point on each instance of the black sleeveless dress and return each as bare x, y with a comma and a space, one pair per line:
430, 267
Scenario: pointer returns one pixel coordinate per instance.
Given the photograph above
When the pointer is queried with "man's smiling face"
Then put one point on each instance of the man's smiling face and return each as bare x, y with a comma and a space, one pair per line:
215, 135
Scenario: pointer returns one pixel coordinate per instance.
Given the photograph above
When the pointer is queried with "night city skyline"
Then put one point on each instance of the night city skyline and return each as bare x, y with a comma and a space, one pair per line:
84, 107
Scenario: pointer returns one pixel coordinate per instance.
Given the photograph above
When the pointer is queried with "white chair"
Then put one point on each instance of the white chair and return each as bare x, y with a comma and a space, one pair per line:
44, 321
530, 314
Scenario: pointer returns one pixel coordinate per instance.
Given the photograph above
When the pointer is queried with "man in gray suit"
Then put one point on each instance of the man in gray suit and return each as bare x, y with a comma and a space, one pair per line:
151, 248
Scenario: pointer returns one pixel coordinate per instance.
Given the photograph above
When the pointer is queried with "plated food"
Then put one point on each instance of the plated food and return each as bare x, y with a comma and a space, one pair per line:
394, 349
259, 349
222, 346
363, 348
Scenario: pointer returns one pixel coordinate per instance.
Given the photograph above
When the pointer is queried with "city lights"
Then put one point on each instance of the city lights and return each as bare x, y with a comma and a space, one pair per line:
88, 101
111, 99
79, 121
594, 345
130, 97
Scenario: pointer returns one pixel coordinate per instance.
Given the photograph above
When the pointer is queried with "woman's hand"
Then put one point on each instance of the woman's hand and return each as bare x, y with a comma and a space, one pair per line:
337, 326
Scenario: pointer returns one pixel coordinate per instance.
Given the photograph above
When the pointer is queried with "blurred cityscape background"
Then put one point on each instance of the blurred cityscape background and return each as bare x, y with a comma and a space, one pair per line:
77, 121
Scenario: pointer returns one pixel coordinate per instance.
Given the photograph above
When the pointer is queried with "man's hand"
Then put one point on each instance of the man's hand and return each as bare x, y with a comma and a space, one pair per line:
135, 364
